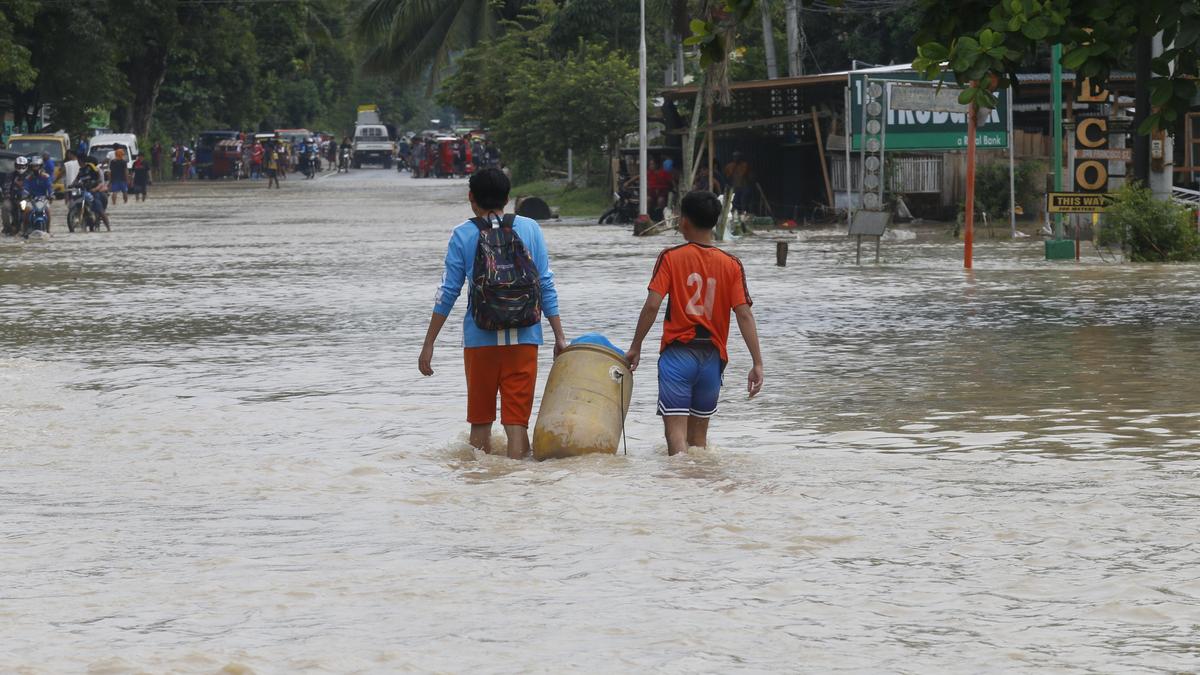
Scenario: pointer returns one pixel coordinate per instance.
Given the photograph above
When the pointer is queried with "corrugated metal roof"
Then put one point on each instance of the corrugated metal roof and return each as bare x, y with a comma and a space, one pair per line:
1044, 78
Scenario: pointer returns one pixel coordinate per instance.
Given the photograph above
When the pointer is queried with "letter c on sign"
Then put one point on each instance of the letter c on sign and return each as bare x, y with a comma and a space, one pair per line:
1085, 139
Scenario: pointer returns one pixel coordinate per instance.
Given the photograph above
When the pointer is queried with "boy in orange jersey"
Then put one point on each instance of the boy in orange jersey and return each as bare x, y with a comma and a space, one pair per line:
704, 285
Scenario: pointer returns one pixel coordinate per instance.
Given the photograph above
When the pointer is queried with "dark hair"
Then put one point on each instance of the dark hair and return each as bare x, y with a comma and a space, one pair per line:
490, 188
701, 208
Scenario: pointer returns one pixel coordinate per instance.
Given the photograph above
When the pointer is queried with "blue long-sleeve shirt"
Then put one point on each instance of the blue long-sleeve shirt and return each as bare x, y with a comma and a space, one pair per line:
39, 186
460, 262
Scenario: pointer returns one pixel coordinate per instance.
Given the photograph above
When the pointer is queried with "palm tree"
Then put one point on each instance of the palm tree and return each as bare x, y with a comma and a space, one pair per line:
407, 37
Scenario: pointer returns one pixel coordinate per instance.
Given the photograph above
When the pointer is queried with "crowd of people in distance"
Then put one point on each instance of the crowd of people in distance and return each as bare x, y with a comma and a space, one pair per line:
444, 156
663, 182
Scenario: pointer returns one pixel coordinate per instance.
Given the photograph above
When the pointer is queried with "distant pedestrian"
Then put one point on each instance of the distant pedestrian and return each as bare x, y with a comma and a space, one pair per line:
271, 164
247, 153
141, 178
156, 157
256, 161
177, 161
118, 183
70, 169
48, 165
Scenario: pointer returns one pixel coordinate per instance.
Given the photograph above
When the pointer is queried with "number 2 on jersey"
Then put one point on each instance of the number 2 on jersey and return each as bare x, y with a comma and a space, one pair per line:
709, 293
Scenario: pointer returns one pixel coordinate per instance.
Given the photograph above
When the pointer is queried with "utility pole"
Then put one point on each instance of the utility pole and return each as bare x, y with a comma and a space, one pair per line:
795, 68
1056, 130
768, 39
643, 197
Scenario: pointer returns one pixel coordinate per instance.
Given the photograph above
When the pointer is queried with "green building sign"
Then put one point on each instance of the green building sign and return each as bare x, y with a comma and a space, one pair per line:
913, 130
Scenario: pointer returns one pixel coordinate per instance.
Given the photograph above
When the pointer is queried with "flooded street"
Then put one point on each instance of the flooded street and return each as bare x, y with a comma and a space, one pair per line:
217, 451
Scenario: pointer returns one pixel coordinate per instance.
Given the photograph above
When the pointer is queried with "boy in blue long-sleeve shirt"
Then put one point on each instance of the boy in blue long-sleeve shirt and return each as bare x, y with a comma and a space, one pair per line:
497, 361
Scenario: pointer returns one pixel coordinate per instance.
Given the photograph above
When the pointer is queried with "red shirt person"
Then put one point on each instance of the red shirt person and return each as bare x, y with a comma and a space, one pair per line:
703, 286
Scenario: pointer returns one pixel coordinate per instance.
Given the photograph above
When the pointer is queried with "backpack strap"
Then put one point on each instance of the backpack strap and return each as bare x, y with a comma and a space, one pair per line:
484, 224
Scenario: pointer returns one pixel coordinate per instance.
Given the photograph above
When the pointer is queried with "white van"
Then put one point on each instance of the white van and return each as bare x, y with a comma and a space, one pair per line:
102, 144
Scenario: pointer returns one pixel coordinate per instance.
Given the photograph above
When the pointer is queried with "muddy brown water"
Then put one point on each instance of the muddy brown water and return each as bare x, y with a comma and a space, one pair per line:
216, 451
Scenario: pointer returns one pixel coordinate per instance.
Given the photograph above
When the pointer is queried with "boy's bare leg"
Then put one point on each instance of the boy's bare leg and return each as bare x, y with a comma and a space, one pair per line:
481, 437
697, 432
518, 440
677, 434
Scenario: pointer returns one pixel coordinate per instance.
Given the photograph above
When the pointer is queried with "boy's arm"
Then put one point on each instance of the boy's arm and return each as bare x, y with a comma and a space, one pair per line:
549, 293
749, 330
645, 323
452, 282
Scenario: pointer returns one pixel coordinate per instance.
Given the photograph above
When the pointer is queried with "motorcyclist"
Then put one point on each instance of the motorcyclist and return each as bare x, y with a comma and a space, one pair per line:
92, 180
314, 156
14, 189
38, 184
345, 151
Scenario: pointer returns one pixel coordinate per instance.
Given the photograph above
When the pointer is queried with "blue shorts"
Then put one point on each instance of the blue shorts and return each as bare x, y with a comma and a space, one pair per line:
689, 380
118, 186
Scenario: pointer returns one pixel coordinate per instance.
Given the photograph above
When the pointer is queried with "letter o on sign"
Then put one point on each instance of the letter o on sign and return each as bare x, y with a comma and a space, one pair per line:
1091, 175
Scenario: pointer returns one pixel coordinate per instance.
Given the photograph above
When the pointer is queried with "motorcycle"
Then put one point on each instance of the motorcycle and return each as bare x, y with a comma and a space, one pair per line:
81, 210
37, 214
624, 209
309, 165
344, 161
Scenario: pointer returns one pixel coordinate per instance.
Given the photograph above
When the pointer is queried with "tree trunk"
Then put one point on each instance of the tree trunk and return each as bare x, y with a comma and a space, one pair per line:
680, 71
1143, 46
795, 69
146, 76
768, 39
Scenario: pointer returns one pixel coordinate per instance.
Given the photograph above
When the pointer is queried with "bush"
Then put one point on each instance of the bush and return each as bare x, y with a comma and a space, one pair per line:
1151, 230
991, 187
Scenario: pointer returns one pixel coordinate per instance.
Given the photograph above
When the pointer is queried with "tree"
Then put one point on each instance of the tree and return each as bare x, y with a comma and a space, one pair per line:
16, 68
68, 78
407, 38
582, 102
984, 42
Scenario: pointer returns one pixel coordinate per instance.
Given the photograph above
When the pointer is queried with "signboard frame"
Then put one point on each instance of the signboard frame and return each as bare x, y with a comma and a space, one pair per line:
1078, 202
910, 130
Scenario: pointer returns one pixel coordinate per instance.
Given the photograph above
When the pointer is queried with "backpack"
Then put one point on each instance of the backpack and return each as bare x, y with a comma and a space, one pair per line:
506, 290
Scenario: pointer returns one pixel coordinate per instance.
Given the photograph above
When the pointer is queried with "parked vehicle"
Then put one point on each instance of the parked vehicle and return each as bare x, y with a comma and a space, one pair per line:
206, 145
227, 159
102, 144
372, 146
35, 144
624, 209
293, 137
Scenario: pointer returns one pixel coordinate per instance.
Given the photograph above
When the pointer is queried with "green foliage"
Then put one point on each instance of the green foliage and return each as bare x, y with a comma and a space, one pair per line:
1151, 230
572, 202
581, 102
407, 38
538, 103
983, 42
16, 68
991, 187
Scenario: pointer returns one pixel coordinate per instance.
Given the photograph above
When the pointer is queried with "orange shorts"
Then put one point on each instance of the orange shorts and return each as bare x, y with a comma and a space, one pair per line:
511, 371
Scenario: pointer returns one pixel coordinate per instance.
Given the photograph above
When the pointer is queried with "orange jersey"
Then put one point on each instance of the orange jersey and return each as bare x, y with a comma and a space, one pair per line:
702, 284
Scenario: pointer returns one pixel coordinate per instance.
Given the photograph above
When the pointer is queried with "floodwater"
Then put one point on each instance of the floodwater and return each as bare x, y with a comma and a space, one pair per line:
217, 453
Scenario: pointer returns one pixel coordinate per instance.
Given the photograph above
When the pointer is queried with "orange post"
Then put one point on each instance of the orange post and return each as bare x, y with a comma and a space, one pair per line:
969, 230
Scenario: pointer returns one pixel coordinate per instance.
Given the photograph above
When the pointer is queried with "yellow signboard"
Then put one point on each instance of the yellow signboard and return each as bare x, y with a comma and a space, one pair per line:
1077, 202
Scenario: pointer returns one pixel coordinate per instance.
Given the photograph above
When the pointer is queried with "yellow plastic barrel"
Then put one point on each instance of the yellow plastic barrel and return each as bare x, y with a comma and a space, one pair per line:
584, 406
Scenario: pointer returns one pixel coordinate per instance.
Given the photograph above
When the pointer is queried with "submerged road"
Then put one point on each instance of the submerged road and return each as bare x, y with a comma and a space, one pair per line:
216, 451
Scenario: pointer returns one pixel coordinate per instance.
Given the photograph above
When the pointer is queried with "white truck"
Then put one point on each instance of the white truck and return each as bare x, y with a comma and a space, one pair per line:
372, 144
